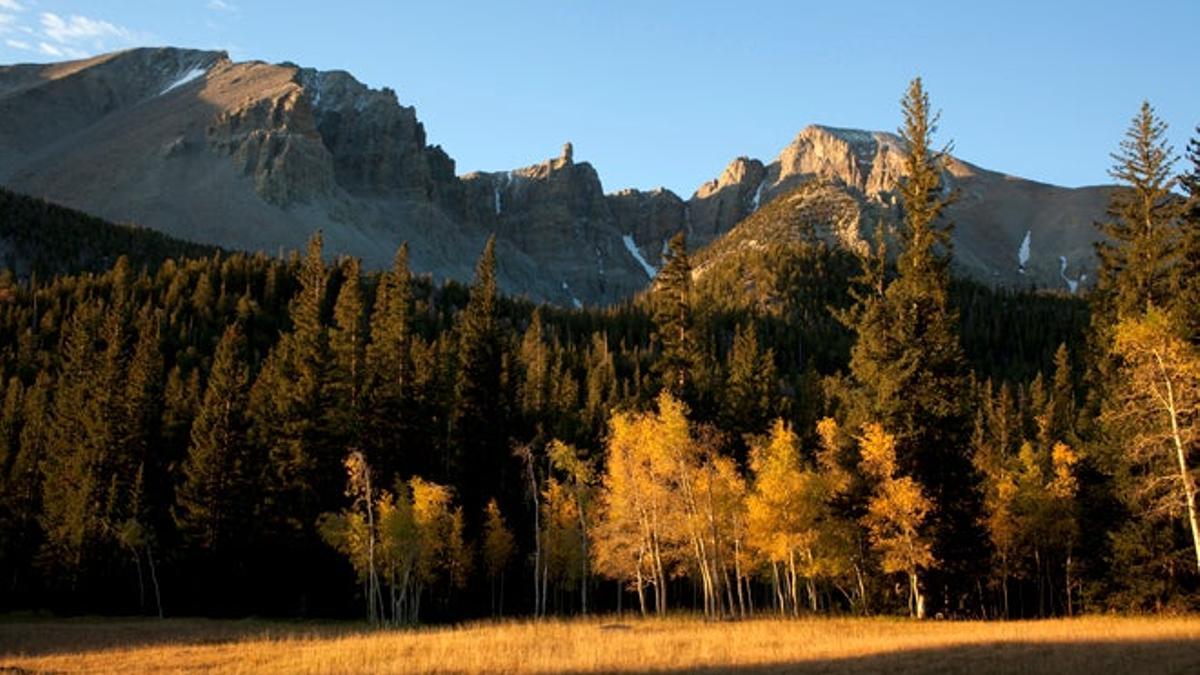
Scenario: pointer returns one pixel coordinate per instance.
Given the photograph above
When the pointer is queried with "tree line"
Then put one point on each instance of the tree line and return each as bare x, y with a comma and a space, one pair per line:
234, 433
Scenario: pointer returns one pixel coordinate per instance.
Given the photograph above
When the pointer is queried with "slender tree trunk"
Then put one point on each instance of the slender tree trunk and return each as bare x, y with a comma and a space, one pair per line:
778, 589
154, 580
1070, 601
537, 534
916, 598
862, 588
137, 561
1185, 475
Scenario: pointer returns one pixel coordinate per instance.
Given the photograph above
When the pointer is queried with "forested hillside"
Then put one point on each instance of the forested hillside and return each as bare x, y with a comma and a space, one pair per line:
795, 429
37, 237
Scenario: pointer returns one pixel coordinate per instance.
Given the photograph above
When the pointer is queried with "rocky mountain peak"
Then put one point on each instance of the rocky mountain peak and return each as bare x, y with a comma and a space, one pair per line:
869, 161
256, 155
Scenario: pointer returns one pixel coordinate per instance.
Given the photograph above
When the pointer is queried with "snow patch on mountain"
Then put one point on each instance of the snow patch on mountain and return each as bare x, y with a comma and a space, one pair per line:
758, 195
631, 246
193, 74
1072, 284
574, 300
1023, 251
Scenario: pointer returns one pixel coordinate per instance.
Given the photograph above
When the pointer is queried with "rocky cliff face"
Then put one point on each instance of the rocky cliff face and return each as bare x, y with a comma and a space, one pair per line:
258, 156
1008, 231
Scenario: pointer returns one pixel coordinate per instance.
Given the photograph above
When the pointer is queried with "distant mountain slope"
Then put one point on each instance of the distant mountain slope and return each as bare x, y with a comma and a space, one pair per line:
257, 156
1008, 231
44, 238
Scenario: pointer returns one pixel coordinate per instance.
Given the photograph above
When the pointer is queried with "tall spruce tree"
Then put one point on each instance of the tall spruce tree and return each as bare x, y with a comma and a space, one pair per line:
674, 321
907, 362
751, 390
348, 351
1140, 249
478, 423
390, 418
1186, 292
288, 402
217, 500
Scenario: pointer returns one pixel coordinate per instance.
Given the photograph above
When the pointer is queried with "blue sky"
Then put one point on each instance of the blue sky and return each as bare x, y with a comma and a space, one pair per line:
667, 93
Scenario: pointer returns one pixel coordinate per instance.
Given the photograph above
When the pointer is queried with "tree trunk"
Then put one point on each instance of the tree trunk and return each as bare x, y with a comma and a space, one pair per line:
1185, 475
154, 580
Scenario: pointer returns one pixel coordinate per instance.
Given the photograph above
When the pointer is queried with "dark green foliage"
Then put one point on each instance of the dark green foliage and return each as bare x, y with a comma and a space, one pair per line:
479, 418
674, 327
907, 364
1136, 261
43, 239
217, 500
197, 412
1186, 272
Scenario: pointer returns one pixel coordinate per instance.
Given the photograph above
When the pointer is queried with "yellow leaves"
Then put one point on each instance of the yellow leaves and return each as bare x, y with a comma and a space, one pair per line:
1063, 459
498, 541
561, 546
897, 511
878, 450
788, 510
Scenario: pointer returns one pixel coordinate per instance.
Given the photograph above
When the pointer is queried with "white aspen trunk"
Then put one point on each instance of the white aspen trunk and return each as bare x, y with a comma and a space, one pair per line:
737, 576
792, 585
1185, 475
583, 547
537, 536
778, 590
916, 599
862, 588
641, 593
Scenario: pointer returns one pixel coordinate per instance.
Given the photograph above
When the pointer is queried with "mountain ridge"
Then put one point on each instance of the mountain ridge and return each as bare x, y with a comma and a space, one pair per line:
258, 156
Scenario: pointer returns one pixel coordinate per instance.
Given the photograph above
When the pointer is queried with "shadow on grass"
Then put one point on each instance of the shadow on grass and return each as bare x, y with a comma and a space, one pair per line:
38, 637
1156, 657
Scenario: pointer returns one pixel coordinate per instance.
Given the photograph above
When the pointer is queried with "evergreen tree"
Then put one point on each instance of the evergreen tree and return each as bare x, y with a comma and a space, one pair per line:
479, 429
907, 362
750, 393
674, 322
1186, 286
288, 403
392, 416
1141, 246
217, 500
348, 351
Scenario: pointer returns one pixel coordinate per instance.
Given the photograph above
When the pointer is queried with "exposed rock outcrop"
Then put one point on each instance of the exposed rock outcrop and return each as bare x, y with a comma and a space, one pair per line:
258, 156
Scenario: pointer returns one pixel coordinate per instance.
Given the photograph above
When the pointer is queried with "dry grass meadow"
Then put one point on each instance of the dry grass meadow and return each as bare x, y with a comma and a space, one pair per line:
1094, 645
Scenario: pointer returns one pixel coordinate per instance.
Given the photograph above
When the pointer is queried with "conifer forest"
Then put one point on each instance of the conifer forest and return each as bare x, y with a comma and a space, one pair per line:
805, 430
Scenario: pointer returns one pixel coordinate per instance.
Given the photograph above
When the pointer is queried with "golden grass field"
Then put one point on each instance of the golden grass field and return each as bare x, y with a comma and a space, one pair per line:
1093, 645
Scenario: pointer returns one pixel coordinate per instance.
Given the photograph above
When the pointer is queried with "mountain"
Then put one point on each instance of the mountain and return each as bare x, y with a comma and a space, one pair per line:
256, 156
1008, 231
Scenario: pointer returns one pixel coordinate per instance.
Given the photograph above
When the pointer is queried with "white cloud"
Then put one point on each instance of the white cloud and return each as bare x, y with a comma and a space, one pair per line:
18, 44
77, 28
215, 5
8, 23
11, 5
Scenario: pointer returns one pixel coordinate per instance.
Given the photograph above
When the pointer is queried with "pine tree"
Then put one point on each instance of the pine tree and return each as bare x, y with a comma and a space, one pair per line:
478, 418
348, 351
391, 415
1141, 247
217, 500
750, 387
77, 472
674, 322
288, 402
907, 362
1186, 286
